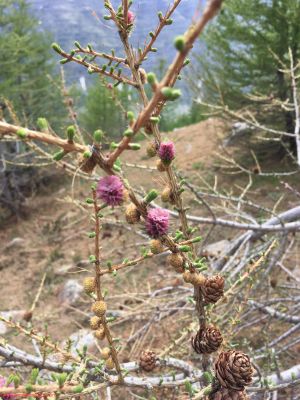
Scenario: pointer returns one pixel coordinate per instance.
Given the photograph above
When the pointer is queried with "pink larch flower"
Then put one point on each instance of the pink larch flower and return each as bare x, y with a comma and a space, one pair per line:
130, 17
111, 190
157, 222
166, 152
3, 384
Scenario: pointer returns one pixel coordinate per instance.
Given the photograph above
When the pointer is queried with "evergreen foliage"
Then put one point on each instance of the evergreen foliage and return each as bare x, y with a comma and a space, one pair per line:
171, 118
244, 51
26, 65
101, 111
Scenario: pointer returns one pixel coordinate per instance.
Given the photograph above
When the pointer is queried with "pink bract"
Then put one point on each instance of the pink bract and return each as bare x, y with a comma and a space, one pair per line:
130, 17
157, 222
166, 151
111, 190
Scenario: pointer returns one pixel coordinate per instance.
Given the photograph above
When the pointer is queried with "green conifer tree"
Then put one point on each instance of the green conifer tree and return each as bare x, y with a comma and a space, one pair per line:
102, 111
243, 52
26, 65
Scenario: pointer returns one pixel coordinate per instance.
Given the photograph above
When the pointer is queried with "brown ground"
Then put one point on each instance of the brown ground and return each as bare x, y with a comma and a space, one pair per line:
54, 238
54, 233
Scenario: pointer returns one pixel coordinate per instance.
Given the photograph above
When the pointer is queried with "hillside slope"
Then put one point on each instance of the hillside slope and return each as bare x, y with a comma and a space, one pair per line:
48, 236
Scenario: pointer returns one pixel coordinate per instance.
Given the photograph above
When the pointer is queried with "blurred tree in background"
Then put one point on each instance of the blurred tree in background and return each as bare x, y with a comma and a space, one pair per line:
26, 66
104, 108
172, 118
245, 49
28, 85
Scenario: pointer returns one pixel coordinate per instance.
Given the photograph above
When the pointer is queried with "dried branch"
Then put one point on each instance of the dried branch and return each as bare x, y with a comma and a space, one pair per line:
296, 105
274, 313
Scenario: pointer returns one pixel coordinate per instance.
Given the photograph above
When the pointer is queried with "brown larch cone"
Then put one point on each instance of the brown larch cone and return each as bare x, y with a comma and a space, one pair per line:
156, 246
148, 360
151, 149
227, 394
99, 308
132, 214
196, 279
109, 363
207, 340
89, 284
160, 166
177, 261
100, 333
213, 288
234, 370
27, 316
167, 195
87, 164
